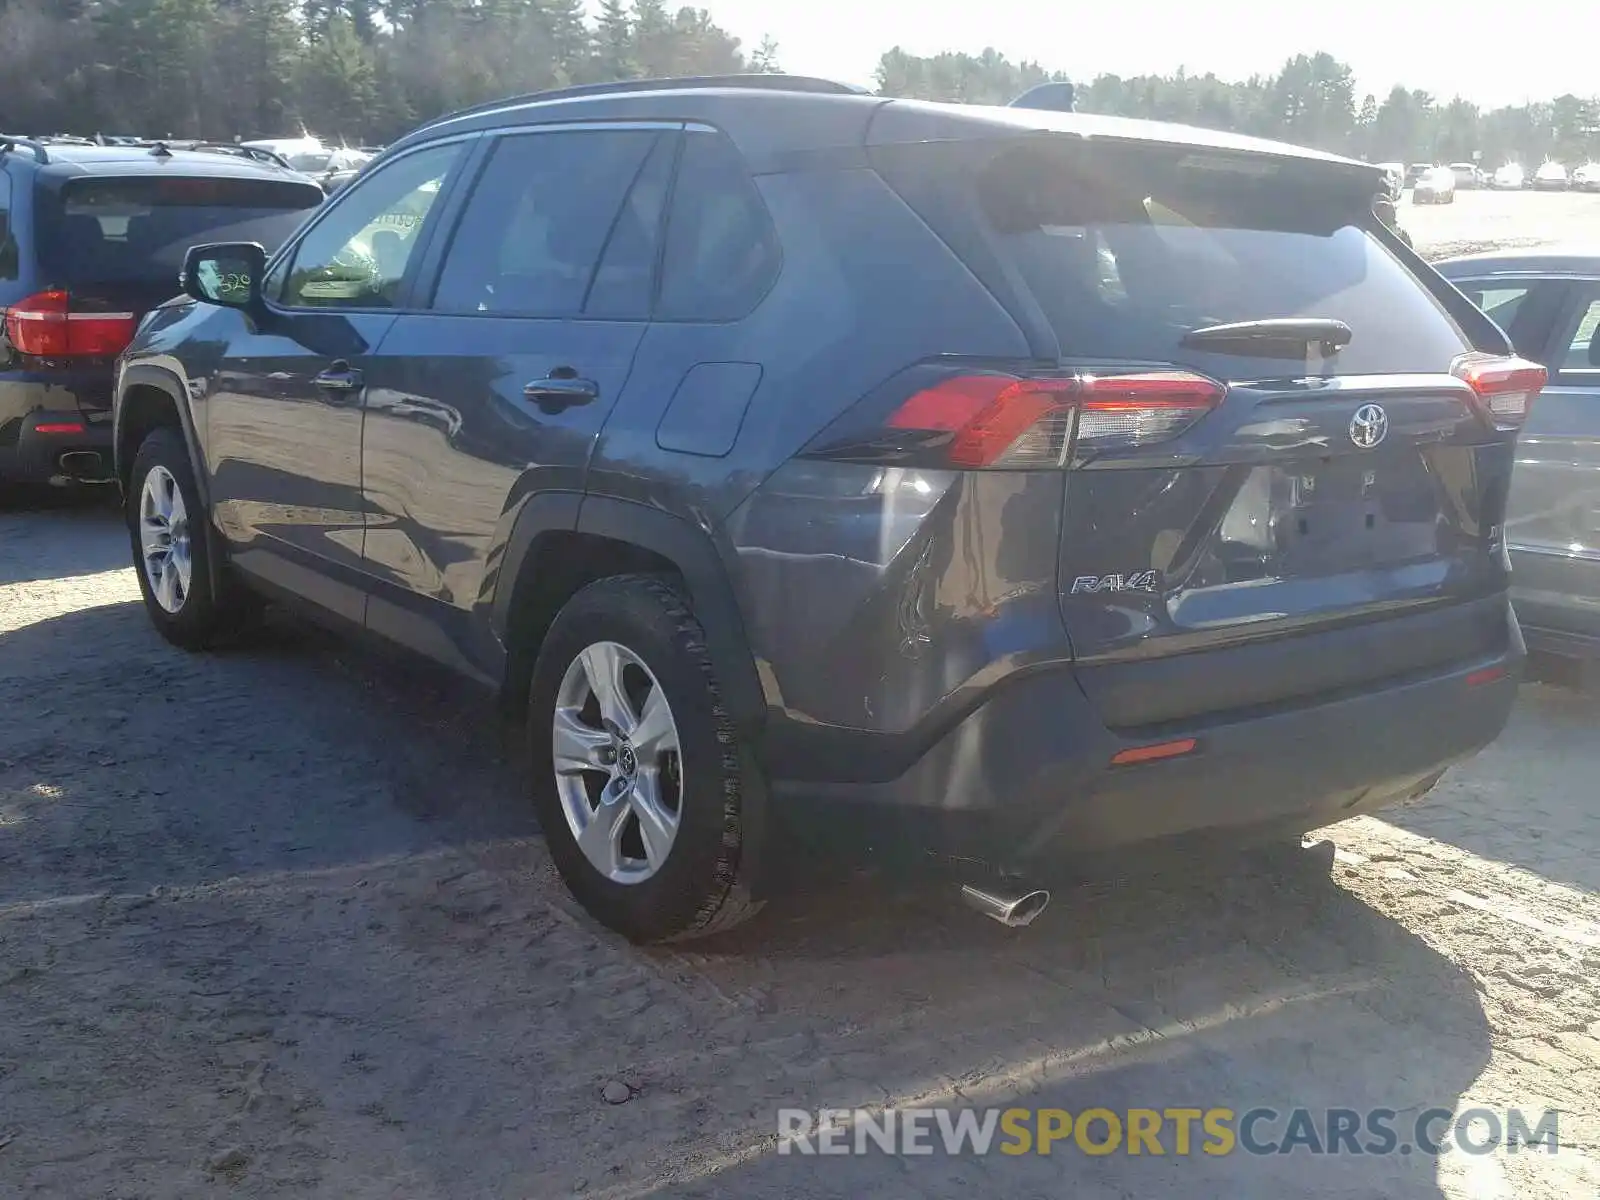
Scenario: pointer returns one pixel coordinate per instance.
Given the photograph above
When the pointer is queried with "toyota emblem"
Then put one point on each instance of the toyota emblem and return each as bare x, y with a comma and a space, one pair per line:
1369, 426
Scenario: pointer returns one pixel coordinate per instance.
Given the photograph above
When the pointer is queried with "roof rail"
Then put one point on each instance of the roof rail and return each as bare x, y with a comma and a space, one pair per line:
760, 83
8, 142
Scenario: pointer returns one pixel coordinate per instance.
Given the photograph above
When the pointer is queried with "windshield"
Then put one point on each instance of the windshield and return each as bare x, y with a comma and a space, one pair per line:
107, 229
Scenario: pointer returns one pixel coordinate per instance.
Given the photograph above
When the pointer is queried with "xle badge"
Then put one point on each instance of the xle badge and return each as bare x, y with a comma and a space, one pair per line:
1140, 581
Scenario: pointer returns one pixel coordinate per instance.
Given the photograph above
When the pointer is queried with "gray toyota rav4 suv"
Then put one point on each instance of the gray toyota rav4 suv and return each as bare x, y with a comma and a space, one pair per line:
1047, 482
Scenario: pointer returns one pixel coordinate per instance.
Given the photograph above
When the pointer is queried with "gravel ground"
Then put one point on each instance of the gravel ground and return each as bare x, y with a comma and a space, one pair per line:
276, 923
1481, 220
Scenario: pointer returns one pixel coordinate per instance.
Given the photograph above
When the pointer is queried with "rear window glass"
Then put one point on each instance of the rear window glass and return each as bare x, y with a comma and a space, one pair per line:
135, 228
1126, 249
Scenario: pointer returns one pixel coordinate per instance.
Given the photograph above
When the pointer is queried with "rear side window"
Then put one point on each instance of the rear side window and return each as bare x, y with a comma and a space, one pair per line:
106, 229
531, 235
1580, 351
721, 252
1126, 248
10, 267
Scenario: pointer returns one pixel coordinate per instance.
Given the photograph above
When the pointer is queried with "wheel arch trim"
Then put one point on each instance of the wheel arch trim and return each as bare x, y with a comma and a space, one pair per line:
688, 547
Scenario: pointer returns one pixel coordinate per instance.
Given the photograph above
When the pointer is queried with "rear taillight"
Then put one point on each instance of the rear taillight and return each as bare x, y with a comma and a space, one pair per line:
45, 325
1503, 386
1003, 421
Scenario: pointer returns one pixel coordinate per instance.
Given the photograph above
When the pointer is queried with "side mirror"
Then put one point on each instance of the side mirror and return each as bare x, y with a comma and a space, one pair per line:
225, 273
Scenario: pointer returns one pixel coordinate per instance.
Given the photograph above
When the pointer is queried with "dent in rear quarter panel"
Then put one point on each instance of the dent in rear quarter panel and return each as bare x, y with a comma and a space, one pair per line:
869, 596
877, 595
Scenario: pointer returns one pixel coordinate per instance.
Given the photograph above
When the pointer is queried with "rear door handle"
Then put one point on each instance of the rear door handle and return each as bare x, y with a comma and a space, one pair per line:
339, 378
559, 391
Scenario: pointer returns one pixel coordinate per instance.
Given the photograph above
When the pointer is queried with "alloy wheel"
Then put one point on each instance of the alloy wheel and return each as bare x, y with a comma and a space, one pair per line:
618, 763
164, 539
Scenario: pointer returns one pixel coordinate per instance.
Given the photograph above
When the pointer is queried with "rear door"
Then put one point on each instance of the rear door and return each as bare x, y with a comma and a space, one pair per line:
1330, 485
502, 380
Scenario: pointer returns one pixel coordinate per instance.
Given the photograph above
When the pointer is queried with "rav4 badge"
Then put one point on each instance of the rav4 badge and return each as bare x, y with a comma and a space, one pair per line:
1139, 581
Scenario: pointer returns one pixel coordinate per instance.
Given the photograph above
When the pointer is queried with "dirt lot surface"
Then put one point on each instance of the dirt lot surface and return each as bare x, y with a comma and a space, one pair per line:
1483, 220
276, 923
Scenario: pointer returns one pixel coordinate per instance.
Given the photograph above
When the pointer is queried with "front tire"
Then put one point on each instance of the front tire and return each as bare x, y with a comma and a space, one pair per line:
638, 777
171, 554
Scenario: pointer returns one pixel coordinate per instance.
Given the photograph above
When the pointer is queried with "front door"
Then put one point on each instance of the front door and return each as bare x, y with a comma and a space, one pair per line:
536, 307
283, 423
1553, 518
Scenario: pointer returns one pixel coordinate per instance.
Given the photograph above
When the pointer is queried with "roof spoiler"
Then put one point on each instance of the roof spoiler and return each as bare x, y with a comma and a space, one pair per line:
1056, 96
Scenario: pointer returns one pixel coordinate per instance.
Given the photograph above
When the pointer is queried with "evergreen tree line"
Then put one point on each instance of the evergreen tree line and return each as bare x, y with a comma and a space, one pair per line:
1311, 101
366, 70
358, 70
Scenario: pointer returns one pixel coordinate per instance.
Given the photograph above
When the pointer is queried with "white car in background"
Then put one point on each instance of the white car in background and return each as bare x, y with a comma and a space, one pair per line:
1510, 178
1436, 186
1551, 177
1587, 177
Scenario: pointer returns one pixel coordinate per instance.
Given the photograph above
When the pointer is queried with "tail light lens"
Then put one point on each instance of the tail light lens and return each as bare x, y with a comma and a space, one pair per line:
1003, 421
1503, 386
44, 325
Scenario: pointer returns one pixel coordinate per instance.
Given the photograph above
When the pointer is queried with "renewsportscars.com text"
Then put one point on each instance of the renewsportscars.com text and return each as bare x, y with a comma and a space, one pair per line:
1164, 1131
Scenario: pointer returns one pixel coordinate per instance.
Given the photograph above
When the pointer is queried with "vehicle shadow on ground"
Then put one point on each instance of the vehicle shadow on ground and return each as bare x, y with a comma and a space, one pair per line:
1225, 989
49, 534
1529, 799
188, 750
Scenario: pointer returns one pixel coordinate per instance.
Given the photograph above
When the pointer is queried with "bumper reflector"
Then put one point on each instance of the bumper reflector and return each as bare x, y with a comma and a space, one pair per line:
1139, 754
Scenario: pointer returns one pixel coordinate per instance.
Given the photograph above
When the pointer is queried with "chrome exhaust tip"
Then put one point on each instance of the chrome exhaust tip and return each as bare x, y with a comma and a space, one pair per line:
1012, 908
83, 466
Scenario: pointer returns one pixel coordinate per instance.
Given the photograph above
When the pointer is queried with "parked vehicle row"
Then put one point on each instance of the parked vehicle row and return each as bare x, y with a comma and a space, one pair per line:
1429, 180
1436, 185
91, 238
331, 166
605, 397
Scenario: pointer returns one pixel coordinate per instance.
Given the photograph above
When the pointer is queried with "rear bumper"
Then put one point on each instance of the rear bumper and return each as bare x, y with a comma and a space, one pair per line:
43, 438
1029, 774
44, 415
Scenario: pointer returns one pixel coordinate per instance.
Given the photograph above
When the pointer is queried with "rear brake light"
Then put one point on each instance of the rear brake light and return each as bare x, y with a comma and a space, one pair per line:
1001, 421
1504, 386
59, 427
44, 325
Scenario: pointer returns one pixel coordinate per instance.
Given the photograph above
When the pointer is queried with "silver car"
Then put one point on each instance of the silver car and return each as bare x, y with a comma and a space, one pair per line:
1548, 302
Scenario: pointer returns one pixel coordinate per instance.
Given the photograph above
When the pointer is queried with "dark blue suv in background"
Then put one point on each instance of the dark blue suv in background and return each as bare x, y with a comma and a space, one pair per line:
1050, 483
91, 238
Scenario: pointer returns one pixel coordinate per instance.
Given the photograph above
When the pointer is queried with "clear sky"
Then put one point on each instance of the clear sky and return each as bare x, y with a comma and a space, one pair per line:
1534, 50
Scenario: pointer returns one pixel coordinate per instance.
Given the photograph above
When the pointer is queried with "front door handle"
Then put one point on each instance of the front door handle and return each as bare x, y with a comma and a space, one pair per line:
339, 379
561, 390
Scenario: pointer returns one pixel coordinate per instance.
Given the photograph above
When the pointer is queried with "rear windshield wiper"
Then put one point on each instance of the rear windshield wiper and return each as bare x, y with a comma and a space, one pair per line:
1274, 337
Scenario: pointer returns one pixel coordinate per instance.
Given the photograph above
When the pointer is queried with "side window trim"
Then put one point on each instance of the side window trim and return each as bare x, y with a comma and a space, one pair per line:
431, 260
675, 149
700, 127
1583, 296
452, 188
1545, 302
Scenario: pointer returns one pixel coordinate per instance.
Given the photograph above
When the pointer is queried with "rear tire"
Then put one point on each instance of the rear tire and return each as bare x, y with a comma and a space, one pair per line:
171, 552
646, 817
